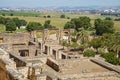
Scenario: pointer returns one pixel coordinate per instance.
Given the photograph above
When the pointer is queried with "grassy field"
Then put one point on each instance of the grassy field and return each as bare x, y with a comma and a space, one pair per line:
57, 21
117, 25
2, 28
33, 14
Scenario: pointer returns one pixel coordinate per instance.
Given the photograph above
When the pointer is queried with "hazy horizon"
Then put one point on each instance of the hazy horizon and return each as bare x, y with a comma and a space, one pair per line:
57, 3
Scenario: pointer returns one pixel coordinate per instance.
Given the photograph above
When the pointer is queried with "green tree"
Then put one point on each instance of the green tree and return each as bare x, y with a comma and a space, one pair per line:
23, 22
11, 14
10, 26
44, 16
116, 48
74, 45
112, 42
85, 22
7, 20
118, 19
3, 14
96, 43
74, 36
103, 26
116, 44
89, 53
64, 43
83, 46
77, 23
2, 20
48, 25
62, 16
82, 36
34, 26
48, 16
69, 25
111, 58
108, 18
82, 22
108, 40
68, 17
19, 22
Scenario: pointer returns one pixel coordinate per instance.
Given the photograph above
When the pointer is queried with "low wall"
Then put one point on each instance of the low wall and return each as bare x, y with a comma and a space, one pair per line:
53, 64
20, 62
106, 65
90, 76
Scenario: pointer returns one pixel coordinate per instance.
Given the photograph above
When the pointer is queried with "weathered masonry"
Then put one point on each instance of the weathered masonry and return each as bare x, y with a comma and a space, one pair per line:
24, 56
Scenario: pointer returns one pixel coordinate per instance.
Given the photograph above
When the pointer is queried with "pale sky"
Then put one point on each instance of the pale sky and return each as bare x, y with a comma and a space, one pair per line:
57, 3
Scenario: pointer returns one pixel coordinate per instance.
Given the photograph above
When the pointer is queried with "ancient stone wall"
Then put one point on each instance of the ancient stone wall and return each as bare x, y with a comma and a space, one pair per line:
4, 75
52, 64
7, 47
91, 76
31, 50
18, 38
48, 78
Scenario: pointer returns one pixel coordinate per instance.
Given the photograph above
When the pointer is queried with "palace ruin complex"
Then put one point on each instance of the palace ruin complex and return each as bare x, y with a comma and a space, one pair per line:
23, 56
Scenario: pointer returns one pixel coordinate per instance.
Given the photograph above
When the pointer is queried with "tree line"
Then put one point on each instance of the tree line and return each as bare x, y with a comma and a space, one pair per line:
100, 26
105, 42
11, 24
38, 26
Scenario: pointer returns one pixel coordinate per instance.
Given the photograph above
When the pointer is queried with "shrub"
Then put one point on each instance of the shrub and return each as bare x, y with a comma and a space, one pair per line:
108, 18
111, 58
117, 19
62, 16
89, 53
48, 16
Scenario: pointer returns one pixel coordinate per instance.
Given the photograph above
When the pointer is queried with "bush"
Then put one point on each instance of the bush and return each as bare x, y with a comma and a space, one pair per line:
108, 18
44, 16
117, 19
48, 16
62, 16
10, 26
108, 55
89, 53
111, 58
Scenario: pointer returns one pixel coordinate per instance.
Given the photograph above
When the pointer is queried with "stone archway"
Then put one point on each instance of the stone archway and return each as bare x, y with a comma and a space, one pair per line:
66, 34
39, 34
58, 34
53, 34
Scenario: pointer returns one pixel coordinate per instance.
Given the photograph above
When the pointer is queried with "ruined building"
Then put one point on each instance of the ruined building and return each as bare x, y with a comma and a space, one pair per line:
23, 56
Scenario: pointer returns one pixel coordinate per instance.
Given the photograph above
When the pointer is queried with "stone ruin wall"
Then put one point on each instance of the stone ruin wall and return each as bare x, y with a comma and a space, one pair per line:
21, 38
52, 64
31, 49
91, 76
15, 42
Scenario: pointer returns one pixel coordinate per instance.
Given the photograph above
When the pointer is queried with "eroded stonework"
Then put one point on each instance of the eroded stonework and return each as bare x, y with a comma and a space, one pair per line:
23, 56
